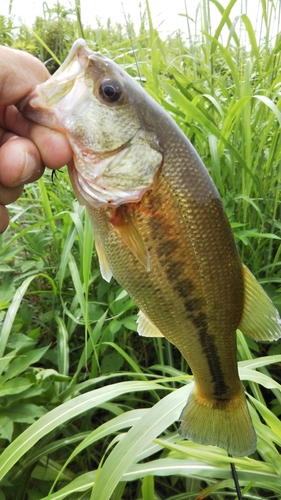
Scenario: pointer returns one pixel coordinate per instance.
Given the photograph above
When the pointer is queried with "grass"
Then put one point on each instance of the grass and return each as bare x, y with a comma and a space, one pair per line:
89, 409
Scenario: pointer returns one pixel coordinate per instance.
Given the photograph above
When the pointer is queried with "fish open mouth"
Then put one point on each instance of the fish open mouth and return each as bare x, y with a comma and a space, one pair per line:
62, 81
38, 106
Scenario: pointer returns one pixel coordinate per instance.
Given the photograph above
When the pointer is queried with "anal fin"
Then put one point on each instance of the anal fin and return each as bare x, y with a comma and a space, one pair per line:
146, 328
260, 319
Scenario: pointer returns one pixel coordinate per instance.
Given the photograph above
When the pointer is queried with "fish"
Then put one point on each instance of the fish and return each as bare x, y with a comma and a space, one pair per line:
161, 230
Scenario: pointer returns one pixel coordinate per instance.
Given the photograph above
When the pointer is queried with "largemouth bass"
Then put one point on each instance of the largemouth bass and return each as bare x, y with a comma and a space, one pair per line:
162, 232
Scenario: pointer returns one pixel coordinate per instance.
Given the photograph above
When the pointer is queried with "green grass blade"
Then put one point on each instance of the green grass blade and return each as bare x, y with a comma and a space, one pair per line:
62, 414
252, 39
116, 424
224, 20
268, 102
272, 421
63, 347
13, 309
156, 420
48, 209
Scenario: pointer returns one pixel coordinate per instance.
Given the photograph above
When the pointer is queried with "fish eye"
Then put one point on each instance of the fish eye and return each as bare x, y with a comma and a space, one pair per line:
110, 91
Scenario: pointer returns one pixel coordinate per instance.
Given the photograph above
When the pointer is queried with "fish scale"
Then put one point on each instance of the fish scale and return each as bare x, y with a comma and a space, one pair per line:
160, 228
181, 285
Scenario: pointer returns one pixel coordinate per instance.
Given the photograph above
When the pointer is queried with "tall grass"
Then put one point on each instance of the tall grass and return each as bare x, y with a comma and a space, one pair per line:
89, 409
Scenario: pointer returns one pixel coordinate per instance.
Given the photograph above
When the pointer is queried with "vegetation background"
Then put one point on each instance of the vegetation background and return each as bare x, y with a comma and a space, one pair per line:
88, 409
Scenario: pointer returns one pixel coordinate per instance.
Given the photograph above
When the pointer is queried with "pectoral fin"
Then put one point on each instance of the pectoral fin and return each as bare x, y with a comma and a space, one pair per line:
260, 319
146, 328
131, 237
104, 267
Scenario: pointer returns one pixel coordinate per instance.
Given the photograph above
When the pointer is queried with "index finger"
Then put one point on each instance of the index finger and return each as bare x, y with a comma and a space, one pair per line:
53, 146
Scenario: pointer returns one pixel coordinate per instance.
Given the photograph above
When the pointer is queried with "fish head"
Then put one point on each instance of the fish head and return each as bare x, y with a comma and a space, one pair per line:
116, 154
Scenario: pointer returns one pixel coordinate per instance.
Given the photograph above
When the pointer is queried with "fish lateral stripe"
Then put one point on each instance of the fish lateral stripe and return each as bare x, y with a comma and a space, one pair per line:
194, 305
211, 350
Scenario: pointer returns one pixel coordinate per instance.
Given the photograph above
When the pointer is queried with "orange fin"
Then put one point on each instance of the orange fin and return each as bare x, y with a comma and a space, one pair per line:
104, 266
227, 425
260, 319
131, 237
146, 328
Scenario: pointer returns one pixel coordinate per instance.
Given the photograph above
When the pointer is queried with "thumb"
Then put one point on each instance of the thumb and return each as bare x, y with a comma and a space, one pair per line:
20, 73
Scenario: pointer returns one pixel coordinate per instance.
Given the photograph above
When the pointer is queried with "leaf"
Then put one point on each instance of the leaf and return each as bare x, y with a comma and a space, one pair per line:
173, 467
126, 419
77, 283
259, 378
259, 362
268, 102
130, 322
19, 341
13, 309
14, 386
63, 347
155, 421
24, 361
272, 421
252, 38
112, 362
78, 485
147, 488
24, 412
7, 291
129, 360
62, 414
6, 427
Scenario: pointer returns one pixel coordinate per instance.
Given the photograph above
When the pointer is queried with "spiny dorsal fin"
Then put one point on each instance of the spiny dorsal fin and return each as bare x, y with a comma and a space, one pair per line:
146, 328
260, 319
131, 237
104, 266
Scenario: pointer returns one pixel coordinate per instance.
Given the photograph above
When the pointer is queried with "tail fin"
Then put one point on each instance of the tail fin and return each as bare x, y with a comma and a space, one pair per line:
224, 424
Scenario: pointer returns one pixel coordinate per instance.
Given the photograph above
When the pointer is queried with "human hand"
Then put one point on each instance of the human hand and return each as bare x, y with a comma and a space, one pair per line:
25, 147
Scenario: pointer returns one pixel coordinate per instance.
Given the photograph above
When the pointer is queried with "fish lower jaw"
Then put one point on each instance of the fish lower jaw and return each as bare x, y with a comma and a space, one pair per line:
97, 196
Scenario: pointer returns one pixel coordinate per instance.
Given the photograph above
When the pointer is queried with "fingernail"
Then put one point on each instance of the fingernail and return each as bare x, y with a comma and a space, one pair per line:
29, 164
28, 168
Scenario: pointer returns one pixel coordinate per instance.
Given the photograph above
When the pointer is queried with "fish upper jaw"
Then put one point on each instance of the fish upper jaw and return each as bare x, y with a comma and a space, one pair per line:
38, 106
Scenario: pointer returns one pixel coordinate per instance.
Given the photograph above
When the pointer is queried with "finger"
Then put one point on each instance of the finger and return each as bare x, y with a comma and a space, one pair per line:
53, 146
4, 218
20, 162
9, 195
20, 73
